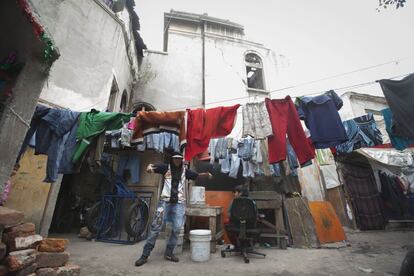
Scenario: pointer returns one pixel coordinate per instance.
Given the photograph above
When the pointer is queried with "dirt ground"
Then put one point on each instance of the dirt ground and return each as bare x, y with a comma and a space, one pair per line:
382, 252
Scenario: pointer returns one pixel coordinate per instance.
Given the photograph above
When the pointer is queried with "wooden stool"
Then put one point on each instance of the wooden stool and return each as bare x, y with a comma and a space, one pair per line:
214, 213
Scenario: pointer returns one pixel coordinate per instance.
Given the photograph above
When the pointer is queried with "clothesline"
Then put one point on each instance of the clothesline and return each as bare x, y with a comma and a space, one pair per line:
396, 61
290, 87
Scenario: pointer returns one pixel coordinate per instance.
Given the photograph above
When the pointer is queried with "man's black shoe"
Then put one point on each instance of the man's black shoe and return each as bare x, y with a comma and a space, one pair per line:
171, 258
141, 260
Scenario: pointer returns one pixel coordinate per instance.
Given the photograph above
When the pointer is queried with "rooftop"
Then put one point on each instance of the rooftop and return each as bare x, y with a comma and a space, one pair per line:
186, 16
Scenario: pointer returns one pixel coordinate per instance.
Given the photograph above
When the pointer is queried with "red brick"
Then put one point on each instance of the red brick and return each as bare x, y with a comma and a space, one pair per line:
27, 227
20, 259
10, 216
53, 245
46, 259
19, 231
25, 271
27, 242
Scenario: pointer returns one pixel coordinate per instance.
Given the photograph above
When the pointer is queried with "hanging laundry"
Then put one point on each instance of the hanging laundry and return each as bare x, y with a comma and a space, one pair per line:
234, 165
289, 165
40, 111
202, 125
66, 165
256, 121
321, 117
131, 163
148, 122
400, 97
361, 132
212, 150
363, 195
246, 148
221, 149
93, 123
52, 132
398, 142
285, 120
392, 194
324, 157
95, 153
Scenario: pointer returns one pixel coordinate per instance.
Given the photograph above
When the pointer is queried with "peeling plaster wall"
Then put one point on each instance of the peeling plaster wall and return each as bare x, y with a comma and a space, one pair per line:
93, 51
173, 80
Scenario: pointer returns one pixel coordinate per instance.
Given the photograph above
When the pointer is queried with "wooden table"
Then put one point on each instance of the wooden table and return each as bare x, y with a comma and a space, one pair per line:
214, 213
270, 200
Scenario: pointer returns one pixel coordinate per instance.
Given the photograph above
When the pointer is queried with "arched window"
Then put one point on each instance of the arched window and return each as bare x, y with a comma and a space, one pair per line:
254, 71
140, 106
112, 96
124, 102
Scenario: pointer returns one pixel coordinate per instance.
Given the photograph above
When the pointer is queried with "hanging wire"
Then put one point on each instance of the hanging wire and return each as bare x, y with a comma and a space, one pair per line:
354, 86
396, 61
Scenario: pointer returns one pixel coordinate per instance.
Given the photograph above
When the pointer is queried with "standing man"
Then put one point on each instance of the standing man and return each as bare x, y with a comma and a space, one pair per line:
171, 206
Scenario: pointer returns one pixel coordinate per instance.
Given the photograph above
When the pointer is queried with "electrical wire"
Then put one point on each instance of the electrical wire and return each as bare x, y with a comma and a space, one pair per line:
354, 86
396, 61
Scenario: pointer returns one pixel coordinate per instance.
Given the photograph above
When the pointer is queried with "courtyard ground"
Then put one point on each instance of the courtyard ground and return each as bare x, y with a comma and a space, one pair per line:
370, 253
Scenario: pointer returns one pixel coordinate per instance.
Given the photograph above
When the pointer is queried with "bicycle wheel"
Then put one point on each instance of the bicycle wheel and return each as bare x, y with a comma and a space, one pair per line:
92, 217
137, 219
98, 220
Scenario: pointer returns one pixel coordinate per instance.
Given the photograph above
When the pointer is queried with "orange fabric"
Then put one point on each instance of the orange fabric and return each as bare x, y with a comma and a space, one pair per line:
223, 199
328, 226
147, 120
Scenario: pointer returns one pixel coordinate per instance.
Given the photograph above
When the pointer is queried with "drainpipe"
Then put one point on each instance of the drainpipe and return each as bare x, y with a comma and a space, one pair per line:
203, 61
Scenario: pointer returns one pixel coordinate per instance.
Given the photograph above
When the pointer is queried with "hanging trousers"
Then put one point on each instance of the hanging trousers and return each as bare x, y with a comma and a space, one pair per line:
285, 120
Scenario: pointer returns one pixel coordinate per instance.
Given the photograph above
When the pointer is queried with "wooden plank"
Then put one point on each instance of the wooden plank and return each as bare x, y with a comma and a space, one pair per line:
301, 225
206, 211
336, 197
328, 227
265, 195
273, 204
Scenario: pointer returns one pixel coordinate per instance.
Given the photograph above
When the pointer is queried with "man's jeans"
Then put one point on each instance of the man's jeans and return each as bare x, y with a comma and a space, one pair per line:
173, 212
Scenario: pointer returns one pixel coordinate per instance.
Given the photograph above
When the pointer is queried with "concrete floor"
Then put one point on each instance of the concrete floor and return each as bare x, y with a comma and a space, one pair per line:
382, 252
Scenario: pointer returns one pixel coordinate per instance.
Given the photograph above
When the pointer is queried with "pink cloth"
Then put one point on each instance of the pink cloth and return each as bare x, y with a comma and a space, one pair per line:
203, 125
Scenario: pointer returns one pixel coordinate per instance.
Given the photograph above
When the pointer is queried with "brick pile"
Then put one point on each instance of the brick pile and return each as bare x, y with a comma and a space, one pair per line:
23, 252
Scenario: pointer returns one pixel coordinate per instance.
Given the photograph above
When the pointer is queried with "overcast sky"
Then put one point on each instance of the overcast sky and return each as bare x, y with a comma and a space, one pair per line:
318, 38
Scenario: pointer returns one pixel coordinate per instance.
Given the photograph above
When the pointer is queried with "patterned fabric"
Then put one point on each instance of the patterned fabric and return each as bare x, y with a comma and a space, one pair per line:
364, 197
361, 132
256, 122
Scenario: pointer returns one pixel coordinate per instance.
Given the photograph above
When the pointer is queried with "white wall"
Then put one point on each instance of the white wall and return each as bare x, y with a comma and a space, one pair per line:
173, 80
354, 107
226, 73
93, 51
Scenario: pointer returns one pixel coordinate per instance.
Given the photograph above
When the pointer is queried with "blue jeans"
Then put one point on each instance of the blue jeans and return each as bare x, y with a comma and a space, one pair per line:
174, 212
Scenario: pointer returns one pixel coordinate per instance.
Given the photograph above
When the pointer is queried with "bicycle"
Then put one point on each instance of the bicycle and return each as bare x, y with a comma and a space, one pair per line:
105, 218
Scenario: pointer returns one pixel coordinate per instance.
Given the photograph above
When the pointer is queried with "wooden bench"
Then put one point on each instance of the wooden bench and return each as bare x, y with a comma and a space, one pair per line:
214, 213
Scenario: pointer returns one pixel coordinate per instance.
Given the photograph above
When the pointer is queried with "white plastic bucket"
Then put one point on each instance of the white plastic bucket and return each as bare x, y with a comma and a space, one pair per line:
200, 245
198, 195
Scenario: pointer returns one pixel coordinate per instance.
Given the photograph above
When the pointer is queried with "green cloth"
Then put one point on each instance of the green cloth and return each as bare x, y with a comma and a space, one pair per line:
93, 123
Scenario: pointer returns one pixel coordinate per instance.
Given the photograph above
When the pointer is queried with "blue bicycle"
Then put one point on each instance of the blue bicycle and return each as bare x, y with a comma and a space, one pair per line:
119, 209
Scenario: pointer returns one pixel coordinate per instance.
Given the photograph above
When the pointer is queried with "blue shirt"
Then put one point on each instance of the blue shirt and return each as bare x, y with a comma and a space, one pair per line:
321, 117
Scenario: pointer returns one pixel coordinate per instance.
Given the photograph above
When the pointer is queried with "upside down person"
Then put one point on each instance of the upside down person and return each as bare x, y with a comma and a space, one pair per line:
171, 206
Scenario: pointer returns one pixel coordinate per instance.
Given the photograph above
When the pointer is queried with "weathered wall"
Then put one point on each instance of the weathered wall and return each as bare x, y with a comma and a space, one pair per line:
29, 192
20, 38
172, 80
357, 106
93, 51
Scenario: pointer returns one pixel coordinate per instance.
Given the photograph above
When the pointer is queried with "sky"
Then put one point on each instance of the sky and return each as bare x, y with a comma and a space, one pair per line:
314, 39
